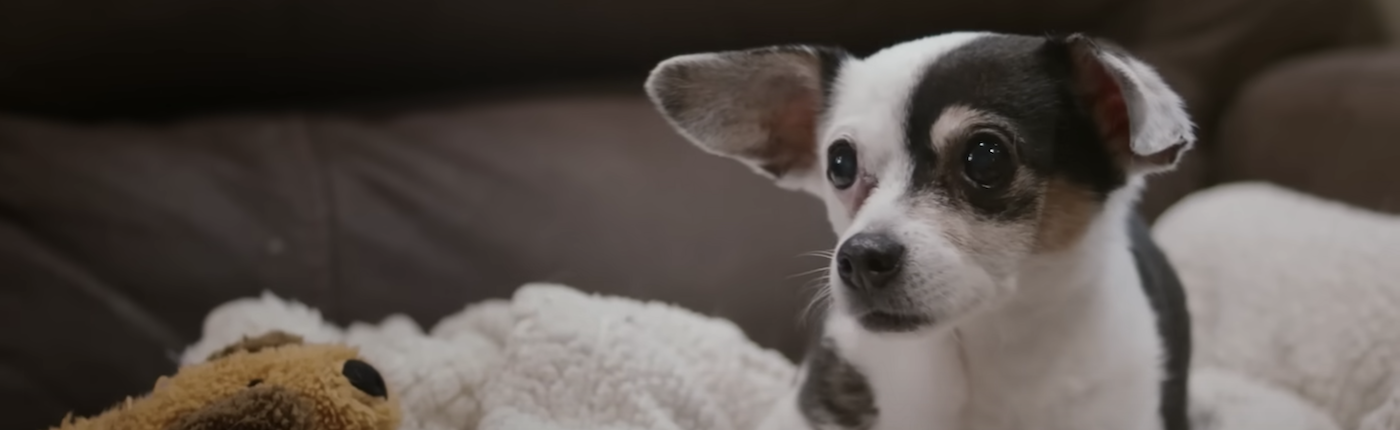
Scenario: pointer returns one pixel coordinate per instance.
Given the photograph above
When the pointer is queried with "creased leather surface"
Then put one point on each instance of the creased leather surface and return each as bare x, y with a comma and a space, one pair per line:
366, 215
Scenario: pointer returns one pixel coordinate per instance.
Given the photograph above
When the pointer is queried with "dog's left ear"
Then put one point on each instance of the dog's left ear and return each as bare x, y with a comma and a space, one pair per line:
1142, 120
760, 106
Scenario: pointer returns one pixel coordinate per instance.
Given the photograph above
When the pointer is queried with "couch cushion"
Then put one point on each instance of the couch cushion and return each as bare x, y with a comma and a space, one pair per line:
1324, 125
1209, 49
125, 235
114, 240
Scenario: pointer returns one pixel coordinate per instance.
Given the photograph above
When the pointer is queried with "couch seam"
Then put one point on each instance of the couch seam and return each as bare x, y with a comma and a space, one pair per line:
323, 223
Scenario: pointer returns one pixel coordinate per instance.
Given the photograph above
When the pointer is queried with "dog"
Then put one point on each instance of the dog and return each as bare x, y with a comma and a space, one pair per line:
991, 272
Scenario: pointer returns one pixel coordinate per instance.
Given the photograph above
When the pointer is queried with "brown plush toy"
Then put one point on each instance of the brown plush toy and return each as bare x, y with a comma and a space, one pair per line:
270, 382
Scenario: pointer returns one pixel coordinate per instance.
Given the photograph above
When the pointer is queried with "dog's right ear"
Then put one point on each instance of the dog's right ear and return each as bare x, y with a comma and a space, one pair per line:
759, 106
1143, 120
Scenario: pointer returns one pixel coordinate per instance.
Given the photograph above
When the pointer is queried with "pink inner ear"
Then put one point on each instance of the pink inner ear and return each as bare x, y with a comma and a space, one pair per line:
1105, 98
791, 134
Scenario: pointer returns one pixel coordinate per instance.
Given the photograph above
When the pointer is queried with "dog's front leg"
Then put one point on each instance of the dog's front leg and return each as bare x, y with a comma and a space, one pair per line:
829, 395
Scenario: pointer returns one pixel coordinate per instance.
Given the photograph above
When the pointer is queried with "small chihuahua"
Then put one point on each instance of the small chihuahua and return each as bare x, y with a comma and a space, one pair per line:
991, 272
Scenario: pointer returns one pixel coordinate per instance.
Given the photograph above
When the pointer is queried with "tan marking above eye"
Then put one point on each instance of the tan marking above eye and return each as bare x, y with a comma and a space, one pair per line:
954, 122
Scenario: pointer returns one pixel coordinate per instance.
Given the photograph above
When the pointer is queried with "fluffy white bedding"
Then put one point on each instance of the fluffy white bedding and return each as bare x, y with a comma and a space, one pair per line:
1297, 326
549, 358
1295, 292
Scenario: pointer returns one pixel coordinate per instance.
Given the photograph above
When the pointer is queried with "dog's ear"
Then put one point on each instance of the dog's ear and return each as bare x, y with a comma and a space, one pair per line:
1142, 120
759, 106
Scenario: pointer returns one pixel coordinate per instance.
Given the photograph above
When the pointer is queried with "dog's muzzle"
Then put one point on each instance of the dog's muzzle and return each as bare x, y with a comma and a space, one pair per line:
869, 266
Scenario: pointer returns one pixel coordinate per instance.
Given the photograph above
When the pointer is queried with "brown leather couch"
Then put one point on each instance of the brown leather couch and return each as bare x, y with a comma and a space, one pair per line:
160, 157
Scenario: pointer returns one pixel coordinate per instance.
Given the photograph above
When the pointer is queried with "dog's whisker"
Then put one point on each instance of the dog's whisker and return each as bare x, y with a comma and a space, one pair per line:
808, 272
817, 284
819, 301
820, 288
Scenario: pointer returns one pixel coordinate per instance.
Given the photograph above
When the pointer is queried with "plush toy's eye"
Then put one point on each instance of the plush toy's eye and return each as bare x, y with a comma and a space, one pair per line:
254, 383
364, 377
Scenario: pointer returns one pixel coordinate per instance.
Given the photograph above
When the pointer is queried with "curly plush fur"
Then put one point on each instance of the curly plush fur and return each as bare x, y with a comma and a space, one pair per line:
1296, 297
1296, 302
268, 382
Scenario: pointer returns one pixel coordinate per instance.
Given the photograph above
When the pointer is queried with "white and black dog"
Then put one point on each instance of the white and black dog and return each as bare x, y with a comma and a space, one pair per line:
991, 272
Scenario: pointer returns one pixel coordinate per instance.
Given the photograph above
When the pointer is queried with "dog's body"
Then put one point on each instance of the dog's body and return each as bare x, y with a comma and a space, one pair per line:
990, 274
1083, 364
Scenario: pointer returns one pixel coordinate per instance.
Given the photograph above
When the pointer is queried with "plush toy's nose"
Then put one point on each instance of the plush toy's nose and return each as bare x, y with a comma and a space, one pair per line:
364, 377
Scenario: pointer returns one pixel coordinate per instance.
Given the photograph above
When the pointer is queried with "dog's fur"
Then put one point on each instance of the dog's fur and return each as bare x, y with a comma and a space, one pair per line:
1023, 294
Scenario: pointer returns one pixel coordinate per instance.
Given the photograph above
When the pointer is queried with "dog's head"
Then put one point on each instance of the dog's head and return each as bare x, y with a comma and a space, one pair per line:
945, 162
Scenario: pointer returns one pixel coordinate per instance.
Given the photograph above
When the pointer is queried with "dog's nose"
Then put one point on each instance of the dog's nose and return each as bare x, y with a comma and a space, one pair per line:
868, 261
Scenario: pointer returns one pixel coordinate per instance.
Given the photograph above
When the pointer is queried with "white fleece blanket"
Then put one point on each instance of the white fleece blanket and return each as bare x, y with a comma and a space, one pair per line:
551, 358
1293, 292
1295, 300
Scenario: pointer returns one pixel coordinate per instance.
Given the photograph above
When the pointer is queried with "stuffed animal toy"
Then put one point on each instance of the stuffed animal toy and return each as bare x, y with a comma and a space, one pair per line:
269, 382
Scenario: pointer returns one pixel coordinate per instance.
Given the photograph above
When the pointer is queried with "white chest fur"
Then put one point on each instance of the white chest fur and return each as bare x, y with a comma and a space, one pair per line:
1076, 349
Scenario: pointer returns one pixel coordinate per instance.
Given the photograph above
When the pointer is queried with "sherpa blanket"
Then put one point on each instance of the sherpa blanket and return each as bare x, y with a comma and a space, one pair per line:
551, 358
1297, 294
1297, 327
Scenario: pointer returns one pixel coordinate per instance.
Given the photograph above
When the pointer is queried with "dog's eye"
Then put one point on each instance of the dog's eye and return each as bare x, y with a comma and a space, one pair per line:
988, 163
841, 167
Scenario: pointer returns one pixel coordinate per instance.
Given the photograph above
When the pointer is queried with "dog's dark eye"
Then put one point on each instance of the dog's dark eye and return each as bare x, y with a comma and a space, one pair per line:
988, 163
841, 167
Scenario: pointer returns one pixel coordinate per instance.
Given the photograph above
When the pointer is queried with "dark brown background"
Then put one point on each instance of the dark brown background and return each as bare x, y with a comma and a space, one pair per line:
160, 157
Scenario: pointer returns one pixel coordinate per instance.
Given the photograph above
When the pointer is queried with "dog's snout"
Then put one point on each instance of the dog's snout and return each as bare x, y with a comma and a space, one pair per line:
869, 261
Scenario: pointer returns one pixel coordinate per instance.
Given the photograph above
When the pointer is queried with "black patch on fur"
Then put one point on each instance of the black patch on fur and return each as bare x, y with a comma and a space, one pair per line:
830, 58
1025, 81
834, 393
1168, 299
